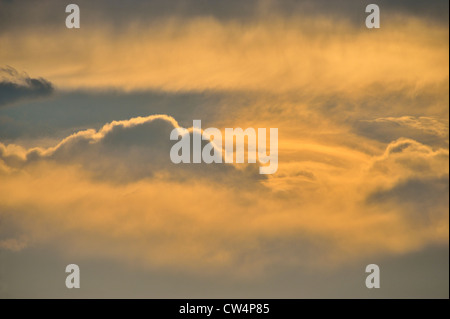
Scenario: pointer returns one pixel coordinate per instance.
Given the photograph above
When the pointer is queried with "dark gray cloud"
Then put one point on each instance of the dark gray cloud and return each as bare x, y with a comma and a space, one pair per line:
26, 14
15, 86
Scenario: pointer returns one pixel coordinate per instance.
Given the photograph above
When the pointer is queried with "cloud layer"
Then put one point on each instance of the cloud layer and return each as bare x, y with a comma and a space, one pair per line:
363, 145
51, 196
202, 52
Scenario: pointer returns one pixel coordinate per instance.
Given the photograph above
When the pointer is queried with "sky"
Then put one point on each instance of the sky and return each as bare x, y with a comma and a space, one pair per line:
363, 149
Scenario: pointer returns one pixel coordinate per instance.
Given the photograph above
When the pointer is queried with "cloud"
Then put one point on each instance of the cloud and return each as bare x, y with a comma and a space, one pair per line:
426, 124
99, 192
407, 157
425, 129
410, 181
363, 135
26, 14
293, 53
204, 224
15, 86
128, 150
424, 200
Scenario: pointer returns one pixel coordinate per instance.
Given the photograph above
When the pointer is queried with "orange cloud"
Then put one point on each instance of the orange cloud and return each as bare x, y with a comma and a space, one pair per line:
203, 53
317, 213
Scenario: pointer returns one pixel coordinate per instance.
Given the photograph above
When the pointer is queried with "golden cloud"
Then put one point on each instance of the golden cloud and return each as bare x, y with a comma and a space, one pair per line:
314, 213
275, 55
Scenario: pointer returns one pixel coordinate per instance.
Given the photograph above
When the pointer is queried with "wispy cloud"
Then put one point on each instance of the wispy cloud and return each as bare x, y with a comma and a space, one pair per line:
285, 54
